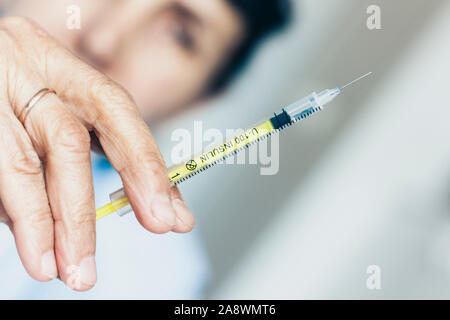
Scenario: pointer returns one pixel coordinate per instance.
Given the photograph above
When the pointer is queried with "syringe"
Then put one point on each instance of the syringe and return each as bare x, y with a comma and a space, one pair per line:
289, 115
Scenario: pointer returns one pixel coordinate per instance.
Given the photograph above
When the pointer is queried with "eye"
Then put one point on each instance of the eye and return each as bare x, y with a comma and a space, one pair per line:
183, 37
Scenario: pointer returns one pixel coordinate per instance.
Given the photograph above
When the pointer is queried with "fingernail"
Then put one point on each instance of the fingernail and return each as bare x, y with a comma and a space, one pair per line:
48, 264
88, 271
184, 215
163, 211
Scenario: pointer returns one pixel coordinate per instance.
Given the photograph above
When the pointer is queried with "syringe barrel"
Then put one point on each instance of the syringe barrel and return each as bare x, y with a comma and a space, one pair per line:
296, 109
310, 104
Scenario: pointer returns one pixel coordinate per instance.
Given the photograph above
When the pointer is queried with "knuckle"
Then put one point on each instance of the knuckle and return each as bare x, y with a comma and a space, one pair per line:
7, 45
38, 218
150, 161
20, 156
5, 38
16, 21
25, 162
73, 136
109, 95
105, 86
81, 220
78, 223
23, 29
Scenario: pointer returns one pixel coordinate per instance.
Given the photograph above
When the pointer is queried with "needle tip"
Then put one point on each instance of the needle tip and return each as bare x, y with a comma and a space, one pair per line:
357, 79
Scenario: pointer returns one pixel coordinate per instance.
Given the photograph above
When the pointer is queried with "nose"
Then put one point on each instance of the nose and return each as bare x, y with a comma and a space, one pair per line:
103, 40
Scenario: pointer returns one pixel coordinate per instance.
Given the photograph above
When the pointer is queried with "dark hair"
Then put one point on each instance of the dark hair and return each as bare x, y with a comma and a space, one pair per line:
261, 18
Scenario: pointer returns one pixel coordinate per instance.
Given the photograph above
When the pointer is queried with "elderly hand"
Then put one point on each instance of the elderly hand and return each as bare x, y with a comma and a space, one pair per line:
46, 186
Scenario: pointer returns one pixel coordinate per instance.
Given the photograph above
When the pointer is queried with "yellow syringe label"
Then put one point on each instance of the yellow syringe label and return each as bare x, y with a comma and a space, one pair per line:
212, 156
200, 163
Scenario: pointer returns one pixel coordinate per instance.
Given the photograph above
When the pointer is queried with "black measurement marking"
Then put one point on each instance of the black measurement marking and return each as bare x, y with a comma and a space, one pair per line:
293, 121
174, 176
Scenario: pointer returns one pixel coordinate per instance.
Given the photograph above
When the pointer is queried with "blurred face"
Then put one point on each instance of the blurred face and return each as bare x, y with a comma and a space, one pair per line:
162, 51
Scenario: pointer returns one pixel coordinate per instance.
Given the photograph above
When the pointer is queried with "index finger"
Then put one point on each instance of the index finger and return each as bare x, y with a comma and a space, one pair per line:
107, 109
133, 152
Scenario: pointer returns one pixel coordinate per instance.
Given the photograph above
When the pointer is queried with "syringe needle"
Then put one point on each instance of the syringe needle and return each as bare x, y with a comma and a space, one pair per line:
357, 79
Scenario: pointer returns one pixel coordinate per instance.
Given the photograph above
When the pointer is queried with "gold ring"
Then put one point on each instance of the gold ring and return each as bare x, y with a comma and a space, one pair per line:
32, 103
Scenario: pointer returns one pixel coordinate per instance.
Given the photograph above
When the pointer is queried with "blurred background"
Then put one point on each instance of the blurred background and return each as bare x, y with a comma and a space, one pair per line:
366, 182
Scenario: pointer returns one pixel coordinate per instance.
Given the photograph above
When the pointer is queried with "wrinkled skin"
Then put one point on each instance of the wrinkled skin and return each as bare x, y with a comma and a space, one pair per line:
162, 51
51, 212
